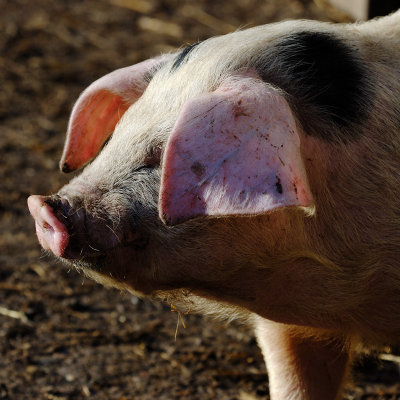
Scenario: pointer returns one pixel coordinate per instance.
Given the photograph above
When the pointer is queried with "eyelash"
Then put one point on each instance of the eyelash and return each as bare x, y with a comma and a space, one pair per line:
153, 159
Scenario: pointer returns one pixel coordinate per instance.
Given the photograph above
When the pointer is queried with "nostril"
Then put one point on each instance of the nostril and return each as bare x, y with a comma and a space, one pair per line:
47, 226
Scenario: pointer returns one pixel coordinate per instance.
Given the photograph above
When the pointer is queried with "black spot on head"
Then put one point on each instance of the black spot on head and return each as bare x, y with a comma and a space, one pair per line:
183, 56
319, 70
148, 76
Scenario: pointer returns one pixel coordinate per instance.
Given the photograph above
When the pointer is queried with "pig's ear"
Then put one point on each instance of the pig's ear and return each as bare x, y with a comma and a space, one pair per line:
98, 110
235, 151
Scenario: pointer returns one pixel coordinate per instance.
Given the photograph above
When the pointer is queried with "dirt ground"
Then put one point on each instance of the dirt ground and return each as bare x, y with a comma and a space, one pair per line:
61, 335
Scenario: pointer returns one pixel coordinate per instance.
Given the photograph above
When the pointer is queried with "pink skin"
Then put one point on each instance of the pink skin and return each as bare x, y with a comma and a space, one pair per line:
52, 233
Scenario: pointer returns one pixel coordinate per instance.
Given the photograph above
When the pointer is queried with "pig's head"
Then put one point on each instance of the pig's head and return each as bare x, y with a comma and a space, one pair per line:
215, 160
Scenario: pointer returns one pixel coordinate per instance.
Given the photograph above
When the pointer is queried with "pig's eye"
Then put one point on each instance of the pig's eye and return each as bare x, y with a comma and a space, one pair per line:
151, 161
153, 158
143, 168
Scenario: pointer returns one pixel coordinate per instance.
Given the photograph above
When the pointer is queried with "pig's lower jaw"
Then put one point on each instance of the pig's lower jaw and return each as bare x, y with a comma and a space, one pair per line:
83, 266
124, 267
95, 273
95, 270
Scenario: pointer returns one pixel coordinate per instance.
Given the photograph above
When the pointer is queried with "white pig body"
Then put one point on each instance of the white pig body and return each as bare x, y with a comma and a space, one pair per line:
256, 173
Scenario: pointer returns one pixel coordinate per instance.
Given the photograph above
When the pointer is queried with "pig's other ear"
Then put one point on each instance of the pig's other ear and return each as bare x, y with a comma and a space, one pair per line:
235, 151
98, 110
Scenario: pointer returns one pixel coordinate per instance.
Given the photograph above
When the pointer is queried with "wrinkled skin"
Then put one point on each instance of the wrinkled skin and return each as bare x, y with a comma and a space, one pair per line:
312, 259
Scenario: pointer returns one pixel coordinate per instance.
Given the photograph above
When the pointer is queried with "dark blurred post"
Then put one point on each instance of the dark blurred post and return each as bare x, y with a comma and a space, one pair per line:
382, 7
366, 9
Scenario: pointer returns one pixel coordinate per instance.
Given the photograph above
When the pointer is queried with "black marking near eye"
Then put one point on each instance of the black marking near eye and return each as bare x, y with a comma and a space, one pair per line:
183, 56
317, 69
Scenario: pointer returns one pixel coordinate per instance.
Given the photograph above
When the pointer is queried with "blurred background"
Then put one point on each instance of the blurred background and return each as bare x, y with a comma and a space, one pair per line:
61, 335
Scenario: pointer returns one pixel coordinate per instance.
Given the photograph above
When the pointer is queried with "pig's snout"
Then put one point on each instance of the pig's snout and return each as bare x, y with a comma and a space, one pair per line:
69, 231
51, 232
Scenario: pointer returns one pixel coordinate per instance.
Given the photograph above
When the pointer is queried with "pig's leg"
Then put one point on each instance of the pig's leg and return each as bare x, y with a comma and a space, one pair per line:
301, 368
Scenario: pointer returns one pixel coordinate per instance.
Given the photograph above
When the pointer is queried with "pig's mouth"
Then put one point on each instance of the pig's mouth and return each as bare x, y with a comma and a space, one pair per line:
73, 234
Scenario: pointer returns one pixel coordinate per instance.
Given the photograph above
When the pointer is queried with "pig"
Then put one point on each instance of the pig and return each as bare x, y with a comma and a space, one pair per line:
256, 175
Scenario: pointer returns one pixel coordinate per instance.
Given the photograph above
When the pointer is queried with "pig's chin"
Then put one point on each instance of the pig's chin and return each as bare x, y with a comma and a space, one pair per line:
95, 269
83, 265
113, 269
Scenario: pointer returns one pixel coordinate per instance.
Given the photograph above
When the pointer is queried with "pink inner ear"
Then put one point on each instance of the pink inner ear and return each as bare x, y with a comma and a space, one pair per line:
235, 151
91, 125
98, 110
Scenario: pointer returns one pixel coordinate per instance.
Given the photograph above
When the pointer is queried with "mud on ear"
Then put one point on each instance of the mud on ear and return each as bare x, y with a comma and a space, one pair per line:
98, 110
235, 151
